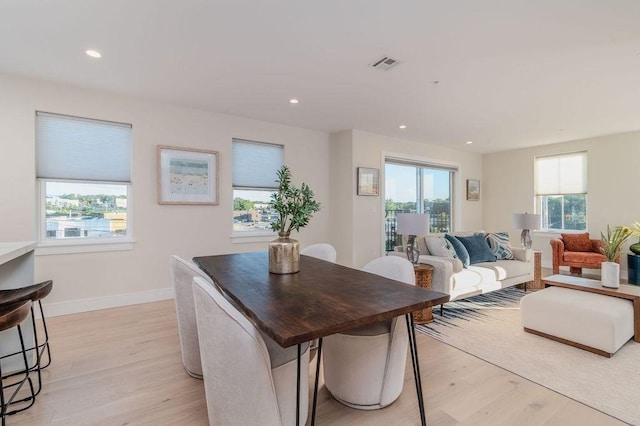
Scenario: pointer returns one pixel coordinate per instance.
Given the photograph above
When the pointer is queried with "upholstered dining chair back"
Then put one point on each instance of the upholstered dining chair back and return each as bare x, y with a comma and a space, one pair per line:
392, 267
322, 251
325, 252
182, 273
364, 368
248, 380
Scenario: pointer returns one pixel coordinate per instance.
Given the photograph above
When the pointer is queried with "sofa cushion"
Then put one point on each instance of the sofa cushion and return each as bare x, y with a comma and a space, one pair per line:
576, 242
522, 254
439, 246
460, 249
474, 277
499, 245
477, 248
583, 257
507, 268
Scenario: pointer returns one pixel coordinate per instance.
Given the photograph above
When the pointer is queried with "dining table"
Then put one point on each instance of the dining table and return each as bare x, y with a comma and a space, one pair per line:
322, 299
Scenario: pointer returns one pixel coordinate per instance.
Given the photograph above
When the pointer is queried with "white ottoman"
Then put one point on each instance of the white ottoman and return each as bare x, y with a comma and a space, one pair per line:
590, 321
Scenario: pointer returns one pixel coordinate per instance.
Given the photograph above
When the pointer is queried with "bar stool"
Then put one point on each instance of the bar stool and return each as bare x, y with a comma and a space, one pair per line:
13, 315
34, 293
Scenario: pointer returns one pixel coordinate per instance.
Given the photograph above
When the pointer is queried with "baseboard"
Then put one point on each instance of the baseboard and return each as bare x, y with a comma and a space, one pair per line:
106, 302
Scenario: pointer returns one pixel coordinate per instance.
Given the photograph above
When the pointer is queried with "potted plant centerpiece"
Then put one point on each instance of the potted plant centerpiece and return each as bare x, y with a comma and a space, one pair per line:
611, 247
295, 207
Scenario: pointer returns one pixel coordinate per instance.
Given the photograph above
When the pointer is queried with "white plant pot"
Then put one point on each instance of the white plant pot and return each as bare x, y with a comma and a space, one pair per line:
610, 274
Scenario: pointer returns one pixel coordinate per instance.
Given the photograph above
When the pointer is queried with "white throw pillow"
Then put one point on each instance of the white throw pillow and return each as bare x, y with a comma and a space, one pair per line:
439, 246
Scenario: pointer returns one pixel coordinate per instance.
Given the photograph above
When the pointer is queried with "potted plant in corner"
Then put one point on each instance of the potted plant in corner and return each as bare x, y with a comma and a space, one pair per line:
295, 207
635, 232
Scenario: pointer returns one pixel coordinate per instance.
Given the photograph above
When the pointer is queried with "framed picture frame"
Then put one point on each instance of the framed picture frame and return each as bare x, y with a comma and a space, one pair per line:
368, 181
473, 190
187, 176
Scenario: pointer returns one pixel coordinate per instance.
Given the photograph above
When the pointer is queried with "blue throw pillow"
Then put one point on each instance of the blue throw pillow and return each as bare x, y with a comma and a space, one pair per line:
461, 251
477, 248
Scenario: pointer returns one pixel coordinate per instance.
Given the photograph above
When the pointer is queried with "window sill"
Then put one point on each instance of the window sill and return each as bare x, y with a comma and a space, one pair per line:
51, 248
555, 233
252, 237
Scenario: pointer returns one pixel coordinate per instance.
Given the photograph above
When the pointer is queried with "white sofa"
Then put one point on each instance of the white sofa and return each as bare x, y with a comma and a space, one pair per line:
449, 275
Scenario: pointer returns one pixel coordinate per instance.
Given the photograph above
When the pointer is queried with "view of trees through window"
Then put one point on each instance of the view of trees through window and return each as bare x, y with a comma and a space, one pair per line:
561, 212
85, 210
561, 191
415, 189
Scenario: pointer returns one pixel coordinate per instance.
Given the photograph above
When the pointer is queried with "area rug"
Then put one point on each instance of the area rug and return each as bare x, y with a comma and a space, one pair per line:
488, 327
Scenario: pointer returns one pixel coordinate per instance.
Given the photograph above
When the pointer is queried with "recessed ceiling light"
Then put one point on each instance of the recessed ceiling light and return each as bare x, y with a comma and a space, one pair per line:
469, 142
402, 126
293, 101
93, 53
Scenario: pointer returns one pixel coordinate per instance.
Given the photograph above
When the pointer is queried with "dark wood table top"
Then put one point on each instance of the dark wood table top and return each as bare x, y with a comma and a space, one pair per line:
322, 299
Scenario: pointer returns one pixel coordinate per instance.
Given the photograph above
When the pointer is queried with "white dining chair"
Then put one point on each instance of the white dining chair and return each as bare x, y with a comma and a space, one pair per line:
364, 368
322, 251
182, 273
248, 379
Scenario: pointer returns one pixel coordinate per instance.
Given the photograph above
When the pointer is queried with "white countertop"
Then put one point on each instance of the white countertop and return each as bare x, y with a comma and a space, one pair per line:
9, 251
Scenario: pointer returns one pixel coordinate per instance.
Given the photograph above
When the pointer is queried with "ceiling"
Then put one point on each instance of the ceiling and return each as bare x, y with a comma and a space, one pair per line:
503, 74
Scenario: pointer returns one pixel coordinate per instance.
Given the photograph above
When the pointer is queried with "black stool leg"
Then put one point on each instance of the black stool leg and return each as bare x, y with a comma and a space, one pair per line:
46, 337
3, 408
36, 348
31, 399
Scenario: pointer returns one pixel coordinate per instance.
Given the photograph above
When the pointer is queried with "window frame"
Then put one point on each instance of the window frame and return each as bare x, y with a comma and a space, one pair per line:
47, 246
420, 165
82, 244
251, 236
539, 197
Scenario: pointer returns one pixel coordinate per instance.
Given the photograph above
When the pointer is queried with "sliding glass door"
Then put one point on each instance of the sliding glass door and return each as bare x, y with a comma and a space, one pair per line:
412, 187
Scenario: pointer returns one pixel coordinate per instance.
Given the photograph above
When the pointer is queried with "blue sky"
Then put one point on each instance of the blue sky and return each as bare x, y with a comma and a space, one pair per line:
400, 183
62, 188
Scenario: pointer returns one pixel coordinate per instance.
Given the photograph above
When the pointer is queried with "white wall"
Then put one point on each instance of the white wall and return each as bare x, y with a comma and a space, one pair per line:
342, 184
613, 175
365, 242
103, 279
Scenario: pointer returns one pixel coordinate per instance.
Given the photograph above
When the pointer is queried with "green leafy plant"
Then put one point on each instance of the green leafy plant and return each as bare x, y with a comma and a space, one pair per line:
613, 240
295, 206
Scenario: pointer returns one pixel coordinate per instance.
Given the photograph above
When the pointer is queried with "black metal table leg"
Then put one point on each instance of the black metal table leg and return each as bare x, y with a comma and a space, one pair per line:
315, 386
298, 388
416, 367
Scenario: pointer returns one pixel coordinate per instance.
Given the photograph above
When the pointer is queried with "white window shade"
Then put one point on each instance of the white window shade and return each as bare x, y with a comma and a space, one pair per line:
255, 164
82, 149
561, 174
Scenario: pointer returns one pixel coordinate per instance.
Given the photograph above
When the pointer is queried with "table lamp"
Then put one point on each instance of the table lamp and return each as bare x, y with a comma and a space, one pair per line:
412, 224
526, 222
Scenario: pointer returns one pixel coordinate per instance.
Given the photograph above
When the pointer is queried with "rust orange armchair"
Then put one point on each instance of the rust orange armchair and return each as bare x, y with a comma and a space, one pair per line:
577, 251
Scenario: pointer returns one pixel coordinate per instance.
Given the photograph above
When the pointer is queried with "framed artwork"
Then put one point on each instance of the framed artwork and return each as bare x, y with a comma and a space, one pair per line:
187, 176
473, 189
368, 181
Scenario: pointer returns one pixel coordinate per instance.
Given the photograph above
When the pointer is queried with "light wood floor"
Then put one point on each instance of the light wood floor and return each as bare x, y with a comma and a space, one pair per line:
122, 366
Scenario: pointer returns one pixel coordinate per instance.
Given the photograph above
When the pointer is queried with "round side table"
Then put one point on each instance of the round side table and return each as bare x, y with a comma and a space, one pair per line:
424, 275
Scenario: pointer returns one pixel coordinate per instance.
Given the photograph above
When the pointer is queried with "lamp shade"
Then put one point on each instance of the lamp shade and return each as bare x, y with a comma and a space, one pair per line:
526, 221
413, 224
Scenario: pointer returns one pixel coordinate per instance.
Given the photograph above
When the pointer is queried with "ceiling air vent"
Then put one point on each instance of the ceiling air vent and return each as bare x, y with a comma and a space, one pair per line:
384, 63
